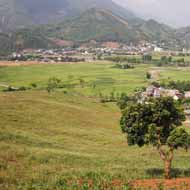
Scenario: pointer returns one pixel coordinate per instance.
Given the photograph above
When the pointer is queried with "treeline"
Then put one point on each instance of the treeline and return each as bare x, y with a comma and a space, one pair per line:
122, 59
182, 86
44, 58
170, 61
149, 59
123, 66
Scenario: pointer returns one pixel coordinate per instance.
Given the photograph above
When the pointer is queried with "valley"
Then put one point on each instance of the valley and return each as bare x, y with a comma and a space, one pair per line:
71, 135
93, 96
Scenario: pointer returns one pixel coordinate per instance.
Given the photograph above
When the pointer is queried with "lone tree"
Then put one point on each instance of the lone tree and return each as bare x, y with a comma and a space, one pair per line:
156, 122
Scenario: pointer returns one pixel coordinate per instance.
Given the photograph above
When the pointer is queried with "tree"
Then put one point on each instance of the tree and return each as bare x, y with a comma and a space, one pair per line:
52, 84
123, 101
147, 57
148, 75
82, 82
156, 122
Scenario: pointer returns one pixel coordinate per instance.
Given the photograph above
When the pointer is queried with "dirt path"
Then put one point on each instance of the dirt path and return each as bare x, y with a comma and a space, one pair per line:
4, 85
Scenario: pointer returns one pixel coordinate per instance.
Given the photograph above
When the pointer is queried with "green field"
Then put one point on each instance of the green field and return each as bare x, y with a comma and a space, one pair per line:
103, 75
46, 139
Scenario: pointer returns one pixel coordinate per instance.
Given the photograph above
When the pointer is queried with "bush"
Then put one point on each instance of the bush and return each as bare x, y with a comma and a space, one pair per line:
33, 85
53, 84
148, 75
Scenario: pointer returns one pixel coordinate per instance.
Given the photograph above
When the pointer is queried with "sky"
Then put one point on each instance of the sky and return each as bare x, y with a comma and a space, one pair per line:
172, 12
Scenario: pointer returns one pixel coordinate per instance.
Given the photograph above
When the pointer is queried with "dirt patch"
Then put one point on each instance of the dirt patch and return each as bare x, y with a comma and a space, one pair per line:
111, 45
156, 184
23, 63
155, 74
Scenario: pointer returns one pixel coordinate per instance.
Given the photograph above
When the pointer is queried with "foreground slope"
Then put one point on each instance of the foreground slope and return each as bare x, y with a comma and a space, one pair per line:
47, 138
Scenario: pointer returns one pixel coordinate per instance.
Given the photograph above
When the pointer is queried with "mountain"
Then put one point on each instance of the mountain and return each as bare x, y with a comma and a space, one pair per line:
22, 39
184, 35
96, 24
22, 13
160, 33
104, 25
101, 25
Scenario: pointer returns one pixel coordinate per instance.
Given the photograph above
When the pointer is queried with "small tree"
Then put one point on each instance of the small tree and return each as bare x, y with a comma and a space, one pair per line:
156, 122
52, 84
148, 75
147, 57
82, 82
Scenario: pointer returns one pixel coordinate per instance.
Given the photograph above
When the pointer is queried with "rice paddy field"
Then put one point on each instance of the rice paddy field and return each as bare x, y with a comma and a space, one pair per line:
55, 141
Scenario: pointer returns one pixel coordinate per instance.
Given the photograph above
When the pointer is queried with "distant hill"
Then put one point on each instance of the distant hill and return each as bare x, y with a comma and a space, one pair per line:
160, 33
104, 25
22, 39
96, 24
23, 13
184, 35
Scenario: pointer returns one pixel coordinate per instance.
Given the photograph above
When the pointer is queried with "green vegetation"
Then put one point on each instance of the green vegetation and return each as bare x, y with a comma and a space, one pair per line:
60, 140
96, 78
123, 66
156, 122
157, 60
182, 86
90, 79
48, 140
22, 39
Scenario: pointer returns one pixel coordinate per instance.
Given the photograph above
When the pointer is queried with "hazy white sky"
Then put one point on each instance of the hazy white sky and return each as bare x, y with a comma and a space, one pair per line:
173, 12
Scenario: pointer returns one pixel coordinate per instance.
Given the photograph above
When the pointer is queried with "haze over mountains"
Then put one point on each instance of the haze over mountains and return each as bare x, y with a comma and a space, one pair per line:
172, 12
39, 23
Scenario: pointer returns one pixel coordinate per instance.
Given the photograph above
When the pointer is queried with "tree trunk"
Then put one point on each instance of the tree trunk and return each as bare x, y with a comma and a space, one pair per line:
168, 164
167, 157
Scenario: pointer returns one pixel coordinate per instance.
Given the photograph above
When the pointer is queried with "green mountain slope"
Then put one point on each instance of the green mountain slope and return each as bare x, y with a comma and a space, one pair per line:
22, 13
96, 24
184, 35
22, 39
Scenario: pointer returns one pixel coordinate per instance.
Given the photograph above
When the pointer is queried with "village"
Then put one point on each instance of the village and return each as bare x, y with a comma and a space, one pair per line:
157, 92
86, 53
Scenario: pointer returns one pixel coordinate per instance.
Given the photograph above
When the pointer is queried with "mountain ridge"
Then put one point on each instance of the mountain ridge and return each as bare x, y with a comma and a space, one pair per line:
23, 13
101, 25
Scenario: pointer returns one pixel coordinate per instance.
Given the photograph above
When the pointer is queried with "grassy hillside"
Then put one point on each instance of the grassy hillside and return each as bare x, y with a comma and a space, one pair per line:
52, 141
47, 141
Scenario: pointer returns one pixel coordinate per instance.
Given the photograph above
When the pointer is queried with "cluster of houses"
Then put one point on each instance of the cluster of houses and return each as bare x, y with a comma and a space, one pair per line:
91, 51
156, 92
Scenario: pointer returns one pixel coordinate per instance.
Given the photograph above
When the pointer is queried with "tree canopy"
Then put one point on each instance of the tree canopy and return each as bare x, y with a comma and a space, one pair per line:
156, 122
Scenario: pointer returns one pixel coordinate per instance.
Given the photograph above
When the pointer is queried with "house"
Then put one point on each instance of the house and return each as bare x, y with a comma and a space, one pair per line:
175, 94
150, 90
158, 49
187, 113
187, 94
157, 92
